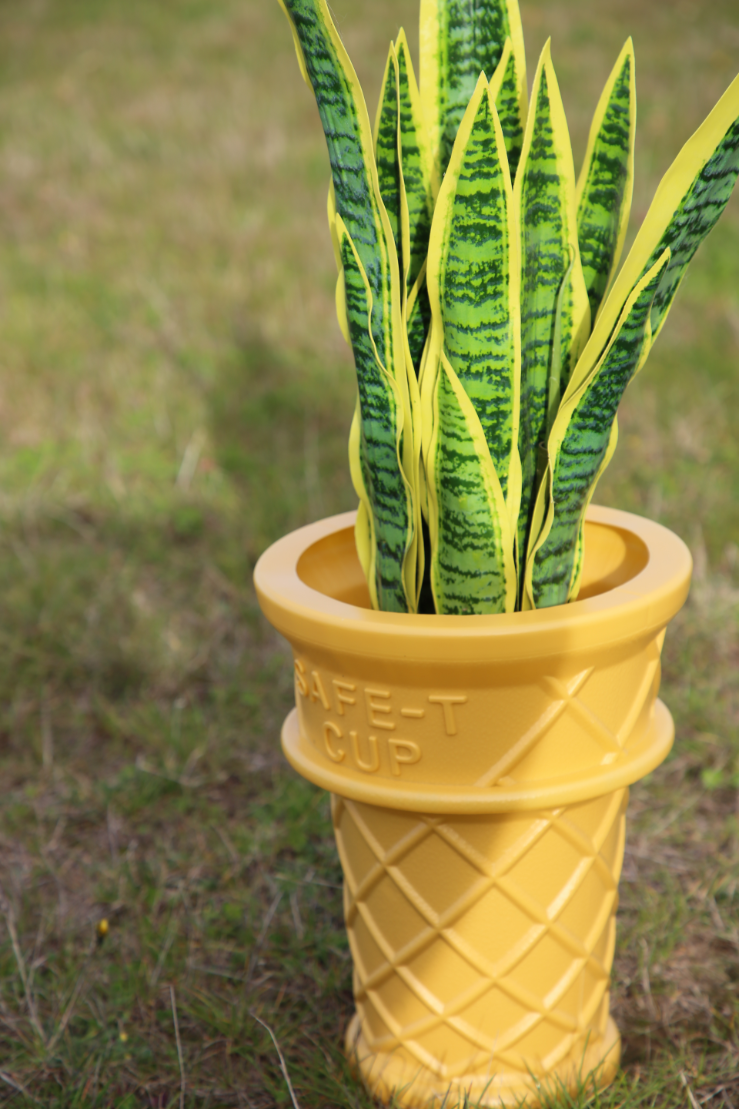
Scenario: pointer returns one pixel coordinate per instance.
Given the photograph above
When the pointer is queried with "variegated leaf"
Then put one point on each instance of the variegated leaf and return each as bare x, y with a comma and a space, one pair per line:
416, 204
690, 198
546, 214
418, 320
460, 39
606, 181
405, 176
357, 197
375, 449
472, 565
694, 217
554, 387
386, 148
420, 188
473, 282
508, 90
355, 200
427, 381
579, 443
364, 524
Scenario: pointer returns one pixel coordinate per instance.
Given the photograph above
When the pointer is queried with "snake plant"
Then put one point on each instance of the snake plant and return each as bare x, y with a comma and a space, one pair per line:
478, 288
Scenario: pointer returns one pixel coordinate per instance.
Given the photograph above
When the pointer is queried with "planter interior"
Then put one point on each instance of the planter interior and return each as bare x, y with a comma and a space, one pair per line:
331, 567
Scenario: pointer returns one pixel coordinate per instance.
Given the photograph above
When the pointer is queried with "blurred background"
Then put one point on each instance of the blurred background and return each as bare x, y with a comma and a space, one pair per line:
174, 395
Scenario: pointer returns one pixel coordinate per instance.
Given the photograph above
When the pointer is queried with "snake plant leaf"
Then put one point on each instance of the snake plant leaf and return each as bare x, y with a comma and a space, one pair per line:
508, 90
416, 204
460, 39
387, 152
690, 198
417, 167
340, 295
427, 383
579, 444
473, 282
606, 182
472, 557
553, 292
357, 197
406, 182
376, 451
554, 386
579, 566
418, 320
411, 445
418, 188
363, 529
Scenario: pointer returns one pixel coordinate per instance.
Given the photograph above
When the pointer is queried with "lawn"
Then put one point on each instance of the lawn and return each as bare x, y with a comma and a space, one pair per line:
174, 395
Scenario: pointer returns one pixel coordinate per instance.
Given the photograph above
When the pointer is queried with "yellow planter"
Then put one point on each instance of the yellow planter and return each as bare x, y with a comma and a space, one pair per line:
480, 768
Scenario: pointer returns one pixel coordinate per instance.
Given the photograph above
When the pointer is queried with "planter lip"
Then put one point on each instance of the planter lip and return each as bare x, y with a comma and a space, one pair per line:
640, 606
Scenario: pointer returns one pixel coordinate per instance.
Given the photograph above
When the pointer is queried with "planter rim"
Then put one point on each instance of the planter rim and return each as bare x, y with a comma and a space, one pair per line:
640, 606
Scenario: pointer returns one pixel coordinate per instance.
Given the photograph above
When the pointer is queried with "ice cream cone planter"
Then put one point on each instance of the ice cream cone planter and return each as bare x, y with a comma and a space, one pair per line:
479, 767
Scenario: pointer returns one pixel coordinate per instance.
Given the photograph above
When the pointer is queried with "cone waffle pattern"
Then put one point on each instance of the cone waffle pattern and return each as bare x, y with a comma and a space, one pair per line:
482, 945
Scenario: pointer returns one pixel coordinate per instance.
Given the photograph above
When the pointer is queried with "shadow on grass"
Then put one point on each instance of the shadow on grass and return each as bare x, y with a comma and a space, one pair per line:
280, 425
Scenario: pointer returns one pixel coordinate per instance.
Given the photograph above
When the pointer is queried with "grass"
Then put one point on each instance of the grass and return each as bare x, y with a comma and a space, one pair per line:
175, 394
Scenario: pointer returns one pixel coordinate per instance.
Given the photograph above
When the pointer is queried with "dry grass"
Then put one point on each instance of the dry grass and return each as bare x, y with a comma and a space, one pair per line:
174, 394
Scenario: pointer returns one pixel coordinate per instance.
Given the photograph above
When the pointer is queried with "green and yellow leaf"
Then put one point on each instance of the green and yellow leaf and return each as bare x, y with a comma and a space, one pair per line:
427, 381
508, 90
363, 527
339, 295
550, 259
472, 558
357, 197
389, 514
405, 175
387, 153
473, 282
418, 320
606, 182
577, 571
690, 198
459, 40
355, 201
579, 448
417, 167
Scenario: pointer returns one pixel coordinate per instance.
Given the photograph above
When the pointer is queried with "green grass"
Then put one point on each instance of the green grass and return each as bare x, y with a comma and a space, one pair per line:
174, 395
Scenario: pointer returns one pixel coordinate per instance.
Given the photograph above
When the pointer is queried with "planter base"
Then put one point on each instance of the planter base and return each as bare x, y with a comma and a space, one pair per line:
384, 1076
482, 948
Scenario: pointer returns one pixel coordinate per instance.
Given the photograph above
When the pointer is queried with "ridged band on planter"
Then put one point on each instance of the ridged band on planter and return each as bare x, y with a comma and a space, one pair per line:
480, 767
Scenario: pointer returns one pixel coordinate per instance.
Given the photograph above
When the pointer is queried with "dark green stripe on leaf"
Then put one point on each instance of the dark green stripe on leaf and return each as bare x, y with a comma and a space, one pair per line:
381, 415
468, 569
546, 242
415, 165
696, 215
346, 127
386, 150
475, 289
607, 189
419, 321
583, 449
508, 106
475, 34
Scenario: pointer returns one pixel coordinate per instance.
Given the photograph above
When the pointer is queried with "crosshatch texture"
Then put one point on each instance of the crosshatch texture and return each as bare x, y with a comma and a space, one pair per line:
482, 945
